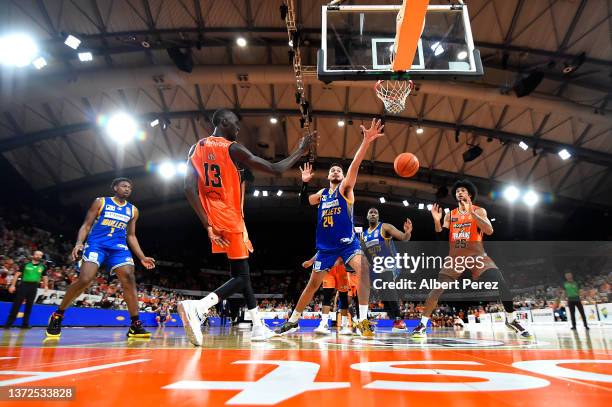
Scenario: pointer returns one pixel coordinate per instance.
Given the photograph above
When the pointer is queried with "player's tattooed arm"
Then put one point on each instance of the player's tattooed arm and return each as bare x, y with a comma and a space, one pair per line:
482, 220
132, 241
92, 213
240, 154
390, 230
369, 135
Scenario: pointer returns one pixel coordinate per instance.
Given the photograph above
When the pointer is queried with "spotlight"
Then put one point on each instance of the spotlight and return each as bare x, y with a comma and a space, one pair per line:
419, 130
571, 67
564, 154
524, 86
437, 48
72, 41
462, 55
85, 56
265, 193
279, 193
446, 210
421, 206
492, 219
382, 199
429, 206
167, 170
39, 63
154, 123
511, 193
122, 128
472, 153
531, 198
405, 202
523, 145
182, 59
256, 193
241, 41
273, 120
341, 123
181, 168
17, 50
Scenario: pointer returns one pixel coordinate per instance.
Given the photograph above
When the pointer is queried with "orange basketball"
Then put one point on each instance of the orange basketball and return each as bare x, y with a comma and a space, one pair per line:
406, 165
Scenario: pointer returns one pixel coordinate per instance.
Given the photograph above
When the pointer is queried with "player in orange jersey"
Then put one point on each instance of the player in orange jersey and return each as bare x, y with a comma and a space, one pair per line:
464, 227
215, 191
336, 280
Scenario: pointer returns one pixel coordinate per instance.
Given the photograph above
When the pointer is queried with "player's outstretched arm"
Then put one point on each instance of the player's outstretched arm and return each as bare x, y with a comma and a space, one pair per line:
132, 241
241, 154
92, 213
307, 174
390, 230
369, 135
482, 220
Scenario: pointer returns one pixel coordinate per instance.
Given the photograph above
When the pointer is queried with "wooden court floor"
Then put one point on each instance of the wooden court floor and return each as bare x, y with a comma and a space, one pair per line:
493, 368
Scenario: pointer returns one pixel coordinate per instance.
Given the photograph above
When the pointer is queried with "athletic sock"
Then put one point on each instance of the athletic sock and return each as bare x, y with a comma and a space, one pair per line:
207, 303
255, 317
324, 319
295, 316
344, 319
60, 311
134, 318
424, 320
363, 312
509, 317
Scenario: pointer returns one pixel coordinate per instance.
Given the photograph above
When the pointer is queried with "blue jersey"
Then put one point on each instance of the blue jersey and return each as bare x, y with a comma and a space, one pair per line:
376, 245
335, 227
110, 227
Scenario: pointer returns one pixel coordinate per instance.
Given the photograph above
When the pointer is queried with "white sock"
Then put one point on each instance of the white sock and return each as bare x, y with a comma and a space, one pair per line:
207, 303
344, 321
424, 320
509, 317
324, 319
295, 316
255, 317
363, 312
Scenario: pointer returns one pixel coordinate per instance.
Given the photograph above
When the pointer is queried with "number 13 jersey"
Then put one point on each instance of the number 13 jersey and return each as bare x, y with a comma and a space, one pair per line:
219, 184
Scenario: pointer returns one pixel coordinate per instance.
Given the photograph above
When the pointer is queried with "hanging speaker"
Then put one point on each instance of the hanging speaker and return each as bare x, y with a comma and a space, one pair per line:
528, 84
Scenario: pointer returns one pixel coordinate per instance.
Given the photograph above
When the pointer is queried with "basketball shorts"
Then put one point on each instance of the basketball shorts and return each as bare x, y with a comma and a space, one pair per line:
337, 278
111, 257
325, 259
239, 245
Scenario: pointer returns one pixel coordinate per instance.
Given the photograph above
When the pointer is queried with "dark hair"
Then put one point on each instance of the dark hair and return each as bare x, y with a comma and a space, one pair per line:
375, 208
120, 179
464, 183
219, 115
336, 164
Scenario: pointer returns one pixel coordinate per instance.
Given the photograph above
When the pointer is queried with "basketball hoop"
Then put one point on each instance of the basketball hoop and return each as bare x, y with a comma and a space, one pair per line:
393, 94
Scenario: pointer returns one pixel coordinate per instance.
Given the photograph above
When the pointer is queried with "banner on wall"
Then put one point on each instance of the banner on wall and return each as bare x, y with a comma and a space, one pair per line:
590, 311
471, 319
605, 313
542, 316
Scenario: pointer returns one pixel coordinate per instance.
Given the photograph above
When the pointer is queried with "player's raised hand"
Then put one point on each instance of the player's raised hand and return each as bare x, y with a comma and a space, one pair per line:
408, 226
76, 252
375, 131
307, 172
467, 204
436, 212
216, 238
148, 262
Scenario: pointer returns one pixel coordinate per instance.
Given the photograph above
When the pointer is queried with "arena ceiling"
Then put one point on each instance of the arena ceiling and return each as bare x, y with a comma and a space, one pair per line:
48, 119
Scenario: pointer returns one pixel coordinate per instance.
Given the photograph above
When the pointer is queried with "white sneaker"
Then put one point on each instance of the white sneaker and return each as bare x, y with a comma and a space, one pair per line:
322, 330
191, 321
346, 331
261, 333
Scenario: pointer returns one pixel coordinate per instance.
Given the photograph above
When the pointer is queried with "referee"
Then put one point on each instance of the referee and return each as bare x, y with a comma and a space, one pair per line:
572, 291
31, 275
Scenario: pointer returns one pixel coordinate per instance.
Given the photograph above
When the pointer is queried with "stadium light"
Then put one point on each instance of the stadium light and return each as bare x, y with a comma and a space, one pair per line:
446, 210
17, 50
511, 193
241, 42
429, 206
341, 123
421, 206
167, 170
564, 154
405, 202
85, 56
492, 219
154, 123
437, 48
256, 193
39, 63
181, 168
523, 145
265, 193
382, 199
122, 128
531, 198
419, 130
462, 55
72, 41
279, 193
273, 120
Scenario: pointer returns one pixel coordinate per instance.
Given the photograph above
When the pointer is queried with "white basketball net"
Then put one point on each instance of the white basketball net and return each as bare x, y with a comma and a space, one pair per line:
393, 94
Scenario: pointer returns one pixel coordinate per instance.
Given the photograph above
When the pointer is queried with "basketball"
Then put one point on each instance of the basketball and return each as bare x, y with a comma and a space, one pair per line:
406, 165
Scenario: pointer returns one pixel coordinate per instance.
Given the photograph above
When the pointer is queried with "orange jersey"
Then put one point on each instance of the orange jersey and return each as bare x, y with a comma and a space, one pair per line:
219, 184
463, 228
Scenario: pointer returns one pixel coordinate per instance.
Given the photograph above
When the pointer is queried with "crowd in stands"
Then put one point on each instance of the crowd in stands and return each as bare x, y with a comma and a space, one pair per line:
18, 241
